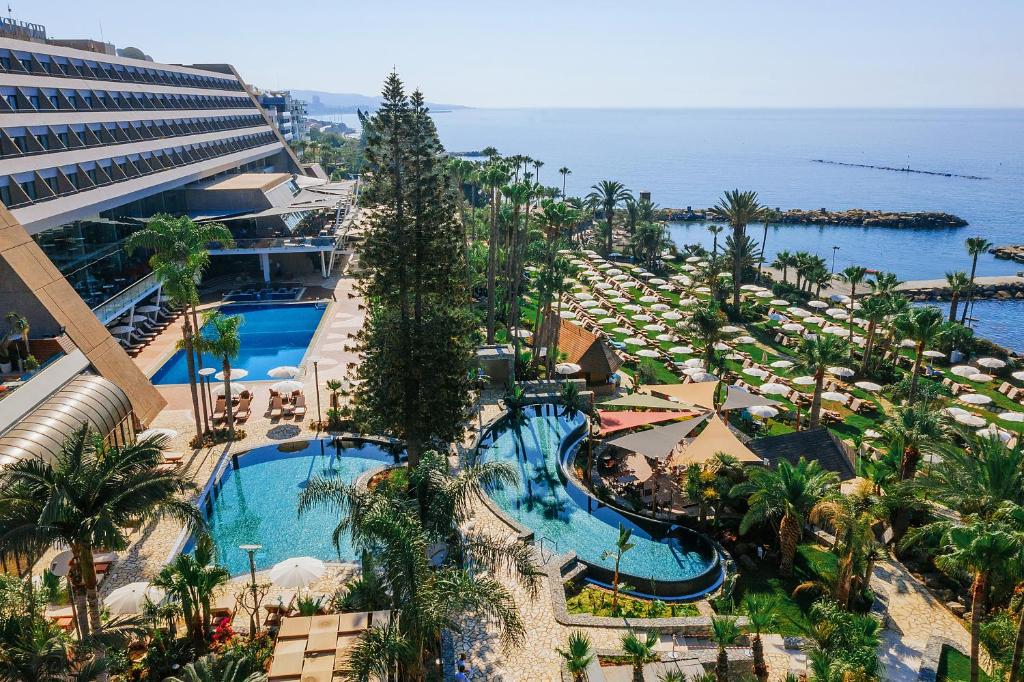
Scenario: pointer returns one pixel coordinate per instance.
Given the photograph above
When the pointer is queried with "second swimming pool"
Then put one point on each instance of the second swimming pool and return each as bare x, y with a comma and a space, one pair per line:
273, 335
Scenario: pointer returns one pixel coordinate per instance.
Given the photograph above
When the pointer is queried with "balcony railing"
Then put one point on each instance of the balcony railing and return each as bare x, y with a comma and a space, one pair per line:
325, 243
126, 298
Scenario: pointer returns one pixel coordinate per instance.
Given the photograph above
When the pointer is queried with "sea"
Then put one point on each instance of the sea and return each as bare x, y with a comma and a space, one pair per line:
688, 157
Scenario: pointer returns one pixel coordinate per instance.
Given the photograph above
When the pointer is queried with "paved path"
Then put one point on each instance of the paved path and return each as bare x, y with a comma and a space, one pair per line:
837, 287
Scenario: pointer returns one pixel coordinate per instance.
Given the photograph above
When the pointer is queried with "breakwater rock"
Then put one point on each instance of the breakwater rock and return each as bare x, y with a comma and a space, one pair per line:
855, 216
1009, 252
1000, 292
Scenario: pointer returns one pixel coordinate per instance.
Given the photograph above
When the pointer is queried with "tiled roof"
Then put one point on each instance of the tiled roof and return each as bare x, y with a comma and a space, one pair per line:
591, 353
814, 445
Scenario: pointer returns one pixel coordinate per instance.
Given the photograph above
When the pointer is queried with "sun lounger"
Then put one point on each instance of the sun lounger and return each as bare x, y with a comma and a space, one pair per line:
220, 409
290, 646
322, 642
294, 627
276, 408
1004, 388
300, 407
243, 411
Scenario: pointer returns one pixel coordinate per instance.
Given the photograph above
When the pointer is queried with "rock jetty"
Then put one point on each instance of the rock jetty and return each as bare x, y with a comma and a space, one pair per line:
857, 217
1009, 252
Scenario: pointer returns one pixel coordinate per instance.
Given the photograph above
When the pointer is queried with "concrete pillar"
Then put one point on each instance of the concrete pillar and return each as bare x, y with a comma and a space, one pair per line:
265, 266
323, 266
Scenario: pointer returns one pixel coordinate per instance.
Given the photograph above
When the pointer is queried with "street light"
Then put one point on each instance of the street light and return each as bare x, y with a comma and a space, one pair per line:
834, 249
204, 380
251, 550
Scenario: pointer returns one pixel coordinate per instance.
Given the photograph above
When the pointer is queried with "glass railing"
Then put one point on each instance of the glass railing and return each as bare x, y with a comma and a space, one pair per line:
321, 243
125, 298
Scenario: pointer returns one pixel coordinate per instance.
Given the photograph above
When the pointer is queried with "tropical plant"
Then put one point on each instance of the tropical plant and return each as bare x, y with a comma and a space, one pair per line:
608, 194
784, 495
841, 645
89, 495
192, 579
854, 275
217, 669
577, 655
975, 247
725, 632
815, 356
706, 322
874, 309
565, 172
647, 242
622, 545
738, 209
783, 261
715, 230
768, 216
923, 326
760, 609
378, 654
639, 651
20, 325
917, 431
957, 282
493, 176
980, 478
224, 343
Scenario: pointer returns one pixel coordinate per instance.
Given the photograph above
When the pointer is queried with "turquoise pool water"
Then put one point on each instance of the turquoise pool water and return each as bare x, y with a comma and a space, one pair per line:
273, 335
565, 516
257, 503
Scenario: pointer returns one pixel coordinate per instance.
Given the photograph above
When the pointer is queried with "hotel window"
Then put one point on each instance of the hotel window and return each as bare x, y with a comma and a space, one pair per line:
44, 141
73, 179
93, 175
29, 188
19, 142
51, 182
34, 101
12, 101
54, 101
64, 139
5, 61
5, 195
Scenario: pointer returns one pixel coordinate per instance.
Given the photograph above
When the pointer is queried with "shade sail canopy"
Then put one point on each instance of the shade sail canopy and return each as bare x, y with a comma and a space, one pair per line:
699, 394
660, 442
620, 420
640, 467
715, 438
643, 400
738, 399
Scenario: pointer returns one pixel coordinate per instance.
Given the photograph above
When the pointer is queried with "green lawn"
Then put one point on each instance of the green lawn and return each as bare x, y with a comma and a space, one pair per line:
811, 562
956, 667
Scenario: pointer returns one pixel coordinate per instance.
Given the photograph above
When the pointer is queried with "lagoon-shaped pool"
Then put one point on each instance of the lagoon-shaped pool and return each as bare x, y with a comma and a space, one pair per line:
668, 561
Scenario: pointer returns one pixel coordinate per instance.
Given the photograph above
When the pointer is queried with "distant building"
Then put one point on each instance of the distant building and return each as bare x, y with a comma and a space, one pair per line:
288, 114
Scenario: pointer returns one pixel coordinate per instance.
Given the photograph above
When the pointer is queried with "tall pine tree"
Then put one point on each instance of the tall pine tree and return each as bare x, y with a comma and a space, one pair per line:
417, 352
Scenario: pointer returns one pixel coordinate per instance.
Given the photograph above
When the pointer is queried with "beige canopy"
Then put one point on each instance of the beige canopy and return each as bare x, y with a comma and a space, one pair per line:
716, 437
643, 400
640, 467
701, 394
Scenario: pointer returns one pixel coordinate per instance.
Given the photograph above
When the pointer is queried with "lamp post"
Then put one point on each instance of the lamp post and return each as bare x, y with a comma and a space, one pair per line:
251, 551
204, 384
834, 249
316, 382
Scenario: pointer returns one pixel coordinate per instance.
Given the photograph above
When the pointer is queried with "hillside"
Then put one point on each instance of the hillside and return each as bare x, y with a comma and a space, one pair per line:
321, 102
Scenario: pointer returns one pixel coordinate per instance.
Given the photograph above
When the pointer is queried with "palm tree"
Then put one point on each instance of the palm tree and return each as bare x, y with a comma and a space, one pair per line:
647, 242
738, 209
608, 194
706, 322
783, 259
981, 478
225, 343
20, 325
537, 164
849, 518
179, 285
923, 326
784, 495
577, 655
768, 215
622, 545
192, 579
977, 548
957, 283
874, 309
815, 356
760, 609
639, 651
564, 170
915, 431
89, 496
493, 176
715, 230
853, 275
725, 632
378, 653
975, 247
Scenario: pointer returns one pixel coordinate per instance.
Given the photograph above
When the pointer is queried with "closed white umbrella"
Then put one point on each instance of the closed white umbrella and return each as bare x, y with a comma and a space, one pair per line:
841, 371
763, 411
964, 370
804, 381
235, 374
782, 364
283, 372
976, 399
991, 363
286, 386
297, 572
755, 372
868, 386
567, 368
156, 433
774, 389
236, 389
647, 353
834, 397
131, 598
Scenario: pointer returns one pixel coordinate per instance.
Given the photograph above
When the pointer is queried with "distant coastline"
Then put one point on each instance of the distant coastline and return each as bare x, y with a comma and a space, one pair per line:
856, 217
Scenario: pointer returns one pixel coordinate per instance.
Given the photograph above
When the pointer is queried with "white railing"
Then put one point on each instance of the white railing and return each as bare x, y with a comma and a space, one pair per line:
126, 298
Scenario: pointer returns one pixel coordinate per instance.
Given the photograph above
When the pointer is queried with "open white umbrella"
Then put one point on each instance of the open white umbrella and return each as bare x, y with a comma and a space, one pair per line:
636, 341
779, 301
148, 309
643, 318
813, 319
798, 312
839, 298
833, 312
665, 338
523, 333
868, 386
683, 350
782, 364
704, 376
991, 363
122, 329
236, 389
763, 411
648, 299
672, 315
963, 370
658, 281
622, 330
745, 339
841, 371
730, 329
792, 327
693, 259
820, 305
755, 372
632, 307
607, 320
722, 346
1012, 416
908, 343
567, 315
980, 378
567, 368
297, 572
804, 381
935, 354
620, 299
750, 287
652, 327
660, 307
286, 386
589, 304
131, 598
774, 389
954, 411
1018, 375
765, 294
283, 372
834, 397
969, 419
597, 311
647, 353
584, 296
871, 433
975, 399
693, 371
236, 373
156, 433
694, 362
992, 432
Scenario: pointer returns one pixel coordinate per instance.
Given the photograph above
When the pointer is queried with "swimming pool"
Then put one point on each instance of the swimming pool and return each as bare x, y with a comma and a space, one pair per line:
255, 501
272, 335
669, 561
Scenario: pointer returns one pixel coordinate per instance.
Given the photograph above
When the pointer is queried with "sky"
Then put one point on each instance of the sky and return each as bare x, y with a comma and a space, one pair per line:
588, 53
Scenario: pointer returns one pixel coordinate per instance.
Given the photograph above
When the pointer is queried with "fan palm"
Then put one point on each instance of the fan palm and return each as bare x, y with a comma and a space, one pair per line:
760, 609
854, 276
715, 230
768, 216
725, 632
577, 655
214, 669
647, 242
783, 260
20, 325
784, 495
915, 431
565, 172
975, 247
706, 322
608, 194
493, 176
922, 325
639, 650
815, 356
622, 545
738, 209
874, 309
192, 579
179, 285
378, 653
957, 283
224, 343
88, 496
